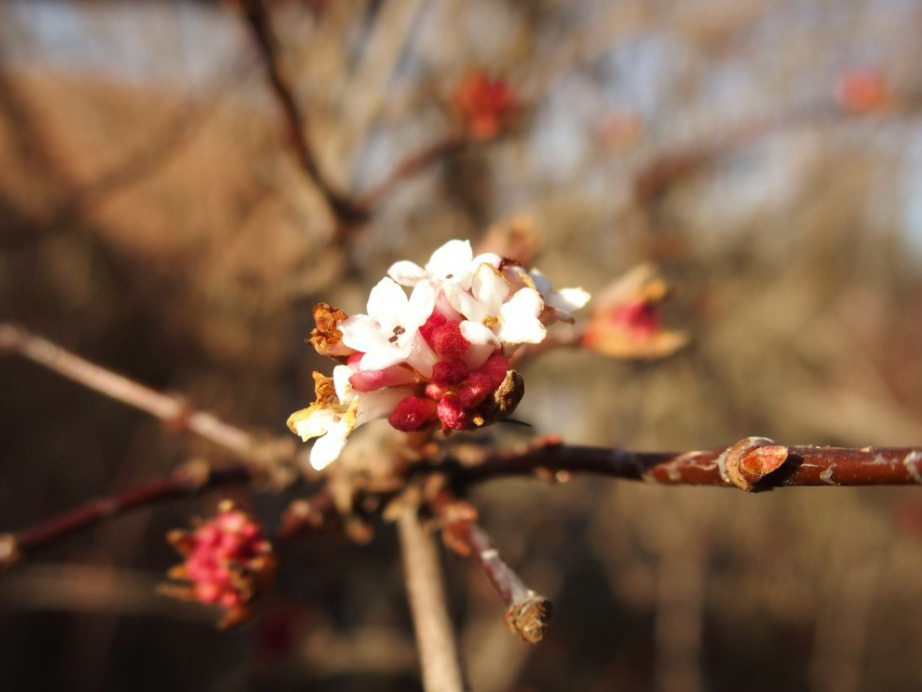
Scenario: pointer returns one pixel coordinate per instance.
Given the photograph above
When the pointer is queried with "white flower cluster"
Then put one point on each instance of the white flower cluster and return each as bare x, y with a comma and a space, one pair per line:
439, 357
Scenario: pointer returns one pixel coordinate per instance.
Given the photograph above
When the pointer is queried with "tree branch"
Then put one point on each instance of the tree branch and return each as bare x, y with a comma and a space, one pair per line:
409, 167
435, 638
260, 26
171, 410
751, 464
528, 614
187, 481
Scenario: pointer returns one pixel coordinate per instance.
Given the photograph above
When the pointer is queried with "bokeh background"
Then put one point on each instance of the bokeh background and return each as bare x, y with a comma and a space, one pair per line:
767, 155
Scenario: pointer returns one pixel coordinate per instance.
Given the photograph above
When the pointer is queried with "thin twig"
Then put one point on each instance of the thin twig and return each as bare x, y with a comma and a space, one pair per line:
528, 613
188, 480
750, 464
435, 638
410, 166
260, 26
171, 410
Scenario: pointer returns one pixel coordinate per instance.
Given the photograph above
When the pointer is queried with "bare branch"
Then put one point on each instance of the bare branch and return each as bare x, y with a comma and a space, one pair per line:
435, 638
750, 464
528, 614
260, 26
171, 410
410, 166
188, 480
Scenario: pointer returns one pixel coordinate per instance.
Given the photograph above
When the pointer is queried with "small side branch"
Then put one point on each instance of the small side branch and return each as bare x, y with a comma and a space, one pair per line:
259, 24
188, 480
435, 638
528, 614
410, 166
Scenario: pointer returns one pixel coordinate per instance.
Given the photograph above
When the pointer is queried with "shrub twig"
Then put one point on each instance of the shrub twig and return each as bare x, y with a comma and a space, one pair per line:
186, 481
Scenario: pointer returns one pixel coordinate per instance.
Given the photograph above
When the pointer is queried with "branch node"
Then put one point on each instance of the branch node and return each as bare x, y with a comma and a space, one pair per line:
751, 459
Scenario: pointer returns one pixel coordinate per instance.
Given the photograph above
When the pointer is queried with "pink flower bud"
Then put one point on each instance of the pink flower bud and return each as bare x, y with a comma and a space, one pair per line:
453, 414
477, 387
436, 320
448, 342
227, 561
449, 372
413, 413
495, 368
640, 319
486, 104
373, 380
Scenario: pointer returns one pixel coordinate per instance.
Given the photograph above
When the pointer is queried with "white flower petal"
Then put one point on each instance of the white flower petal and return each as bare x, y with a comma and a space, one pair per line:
420, 357
542, 284
444, 306
387, 303
365, 407
315, 423
327, 449
490, 258
451, 259
407, 273
490, 288
464, 303
381, 358
520, 323
362, 333
571, 299
420, 306
345, 392
483, 343
564, 301
379, 404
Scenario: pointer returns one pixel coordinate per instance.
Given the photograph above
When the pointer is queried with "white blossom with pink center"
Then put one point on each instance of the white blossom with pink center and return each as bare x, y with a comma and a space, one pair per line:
438, 357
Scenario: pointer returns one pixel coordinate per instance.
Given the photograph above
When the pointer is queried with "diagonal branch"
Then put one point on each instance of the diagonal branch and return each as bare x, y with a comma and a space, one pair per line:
259, 24
410, 166
186, 481
528, 613
171, 410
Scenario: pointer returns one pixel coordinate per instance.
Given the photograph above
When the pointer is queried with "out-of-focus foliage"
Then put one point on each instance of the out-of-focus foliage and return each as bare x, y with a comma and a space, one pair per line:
153, 218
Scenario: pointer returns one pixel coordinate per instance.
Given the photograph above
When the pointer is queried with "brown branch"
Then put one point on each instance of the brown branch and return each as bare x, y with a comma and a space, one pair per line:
260, 27
667, 168
410, 166
528, 614
435, 638
171, 410
751, 464
187, 481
